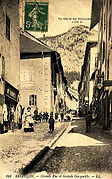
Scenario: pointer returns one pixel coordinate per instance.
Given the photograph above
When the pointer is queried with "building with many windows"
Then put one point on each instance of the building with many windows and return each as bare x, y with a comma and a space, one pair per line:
101, 15
9, 63
42, 81
87, 82
103, 87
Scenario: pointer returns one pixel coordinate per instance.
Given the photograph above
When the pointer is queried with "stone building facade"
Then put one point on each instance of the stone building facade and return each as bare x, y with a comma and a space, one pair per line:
9, 61
101, 15
42, 81
86, 85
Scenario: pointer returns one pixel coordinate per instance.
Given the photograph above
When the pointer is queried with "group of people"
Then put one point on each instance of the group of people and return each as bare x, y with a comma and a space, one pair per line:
30, 118
40, 117
11, 117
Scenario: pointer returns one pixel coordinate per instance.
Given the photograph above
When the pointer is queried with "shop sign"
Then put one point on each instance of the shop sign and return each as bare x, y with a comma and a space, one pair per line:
11, 93
107, 83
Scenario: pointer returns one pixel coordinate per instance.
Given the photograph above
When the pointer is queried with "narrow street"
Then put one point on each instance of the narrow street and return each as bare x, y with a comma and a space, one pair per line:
78, 151
18, 148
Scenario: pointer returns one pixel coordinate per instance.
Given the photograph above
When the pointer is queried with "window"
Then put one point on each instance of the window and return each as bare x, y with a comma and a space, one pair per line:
2, 66
109, 26
7, 27
104, 22
108, 69
33, 100
103, 51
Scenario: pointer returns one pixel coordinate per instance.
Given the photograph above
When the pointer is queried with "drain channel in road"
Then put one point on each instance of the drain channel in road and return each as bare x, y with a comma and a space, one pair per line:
76, 152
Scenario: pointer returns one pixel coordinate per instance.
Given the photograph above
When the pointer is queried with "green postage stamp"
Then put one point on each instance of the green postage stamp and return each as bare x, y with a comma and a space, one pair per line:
36, 16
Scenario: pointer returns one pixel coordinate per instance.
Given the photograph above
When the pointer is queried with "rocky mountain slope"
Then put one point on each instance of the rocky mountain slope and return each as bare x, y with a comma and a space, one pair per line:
71, 46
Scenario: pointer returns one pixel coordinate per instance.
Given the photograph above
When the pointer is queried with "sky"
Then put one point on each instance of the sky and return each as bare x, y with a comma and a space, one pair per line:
61, 9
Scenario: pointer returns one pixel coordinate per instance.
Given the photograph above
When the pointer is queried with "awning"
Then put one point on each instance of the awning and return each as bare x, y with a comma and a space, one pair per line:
95, 13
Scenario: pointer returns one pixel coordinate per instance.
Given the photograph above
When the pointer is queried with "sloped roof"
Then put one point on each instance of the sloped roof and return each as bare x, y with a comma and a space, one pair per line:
32, 45
95, 13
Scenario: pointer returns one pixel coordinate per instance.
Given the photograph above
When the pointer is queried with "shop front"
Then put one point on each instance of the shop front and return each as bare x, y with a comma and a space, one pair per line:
9, 108
1, 111
108, 103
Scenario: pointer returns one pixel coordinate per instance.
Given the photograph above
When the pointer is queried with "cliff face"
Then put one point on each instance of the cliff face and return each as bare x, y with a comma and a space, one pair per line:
71, 46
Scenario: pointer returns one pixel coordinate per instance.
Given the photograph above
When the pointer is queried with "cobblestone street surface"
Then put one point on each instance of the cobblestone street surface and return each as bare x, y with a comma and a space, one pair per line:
18, 148
88, 152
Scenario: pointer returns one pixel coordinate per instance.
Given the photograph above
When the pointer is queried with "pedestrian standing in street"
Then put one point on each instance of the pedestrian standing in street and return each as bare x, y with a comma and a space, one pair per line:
51, 123
46, 116
18, 116
88, 121
12, 118
56, 116
5, 119
29, 122
40, 117
62, 116
36, 114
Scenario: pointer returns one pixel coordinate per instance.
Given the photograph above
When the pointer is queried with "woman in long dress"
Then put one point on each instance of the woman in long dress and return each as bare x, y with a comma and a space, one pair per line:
28, 122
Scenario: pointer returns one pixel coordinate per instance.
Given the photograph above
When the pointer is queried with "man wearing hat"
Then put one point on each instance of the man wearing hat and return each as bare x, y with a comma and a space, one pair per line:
51, 123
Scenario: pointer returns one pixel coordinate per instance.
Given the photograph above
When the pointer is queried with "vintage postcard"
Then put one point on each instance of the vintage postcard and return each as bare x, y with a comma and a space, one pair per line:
56, 89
